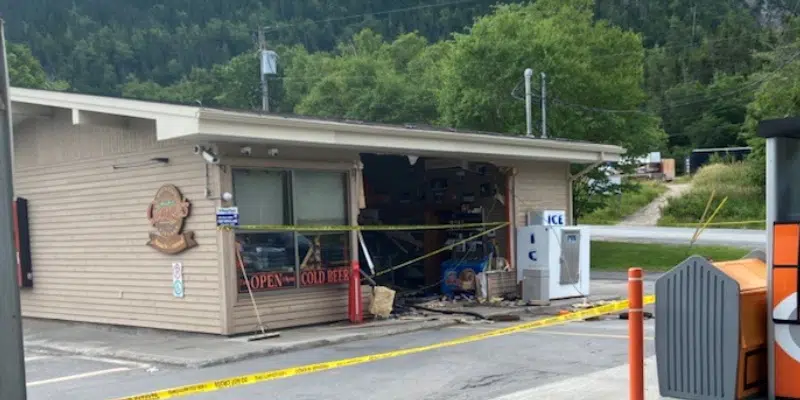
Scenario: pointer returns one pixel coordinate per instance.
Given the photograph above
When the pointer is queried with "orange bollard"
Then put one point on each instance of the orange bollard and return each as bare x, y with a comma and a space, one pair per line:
354, 306
636, 333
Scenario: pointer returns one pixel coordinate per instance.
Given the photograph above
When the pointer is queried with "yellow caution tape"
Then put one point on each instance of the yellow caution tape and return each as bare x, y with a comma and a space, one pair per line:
334, 228
227, 383
727, 223
441, 249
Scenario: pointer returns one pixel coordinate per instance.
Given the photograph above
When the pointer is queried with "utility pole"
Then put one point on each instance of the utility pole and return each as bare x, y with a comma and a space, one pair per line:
528, 101
12, 364
544, 105
262, 48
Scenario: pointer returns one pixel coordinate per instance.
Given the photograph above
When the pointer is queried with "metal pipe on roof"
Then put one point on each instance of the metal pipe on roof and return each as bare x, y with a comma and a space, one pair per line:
528, 100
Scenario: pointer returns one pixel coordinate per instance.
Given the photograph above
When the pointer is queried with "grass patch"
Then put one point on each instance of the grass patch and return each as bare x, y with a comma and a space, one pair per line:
617, 256
682, 179
731, 180
619, 207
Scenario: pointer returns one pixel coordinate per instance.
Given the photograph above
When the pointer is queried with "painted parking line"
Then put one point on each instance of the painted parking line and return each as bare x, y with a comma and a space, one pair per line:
34, 358
78, 376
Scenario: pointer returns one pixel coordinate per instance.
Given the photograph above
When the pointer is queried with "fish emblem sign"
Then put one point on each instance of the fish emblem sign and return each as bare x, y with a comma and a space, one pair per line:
167, 213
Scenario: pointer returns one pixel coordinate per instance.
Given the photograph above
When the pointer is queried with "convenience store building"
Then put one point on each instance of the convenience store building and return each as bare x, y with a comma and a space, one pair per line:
123, 196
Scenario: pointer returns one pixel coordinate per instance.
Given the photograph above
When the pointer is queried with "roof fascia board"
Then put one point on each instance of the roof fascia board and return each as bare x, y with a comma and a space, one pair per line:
99, 104
367, 139
383, 131
171, 120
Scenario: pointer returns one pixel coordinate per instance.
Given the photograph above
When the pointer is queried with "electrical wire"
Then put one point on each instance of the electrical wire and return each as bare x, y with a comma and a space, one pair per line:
696, 98
368, 14
756, 35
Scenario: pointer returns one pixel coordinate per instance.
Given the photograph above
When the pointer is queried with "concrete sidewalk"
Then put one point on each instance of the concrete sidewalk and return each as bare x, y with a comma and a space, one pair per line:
608, 384
198, 350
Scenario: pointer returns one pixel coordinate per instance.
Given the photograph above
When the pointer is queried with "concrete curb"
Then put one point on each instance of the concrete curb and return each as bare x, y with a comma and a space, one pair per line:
267, 351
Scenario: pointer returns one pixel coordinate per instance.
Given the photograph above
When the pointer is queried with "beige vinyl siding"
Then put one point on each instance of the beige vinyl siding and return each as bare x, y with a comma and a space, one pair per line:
295, 307
89, 227
540, 185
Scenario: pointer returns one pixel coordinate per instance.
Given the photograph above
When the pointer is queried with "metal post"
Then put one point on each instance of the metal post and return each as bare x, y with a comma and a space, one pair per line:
262, 47
635, 334
12, 364
264, 93
772, 216
544, 105
528, 95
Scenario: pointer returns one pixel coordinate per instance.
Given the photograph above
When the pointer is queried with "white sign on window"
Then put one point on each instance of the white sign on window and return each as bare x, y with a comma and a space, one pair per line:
177, 279
554, 218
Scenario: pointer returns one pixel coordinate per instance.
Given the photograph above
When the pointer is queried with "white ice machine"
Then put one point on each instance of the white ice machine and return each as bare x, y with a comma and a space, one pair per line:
563, 251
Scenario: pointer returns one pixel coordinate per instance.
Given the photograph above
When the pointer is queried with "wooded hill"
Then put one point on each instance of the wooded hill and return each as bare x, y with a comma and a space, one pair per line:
642, 73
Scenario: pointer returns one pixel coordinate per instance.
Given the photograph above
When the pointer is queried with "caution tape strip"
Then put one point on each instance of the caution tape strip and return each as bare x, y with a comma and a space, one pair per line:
336, 228
724, 223
440, 250
228, 383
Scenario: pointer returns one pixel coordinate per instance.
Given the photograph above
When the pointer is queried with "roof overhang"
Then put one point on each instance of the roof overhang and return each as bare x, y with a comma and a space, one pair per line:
203, 124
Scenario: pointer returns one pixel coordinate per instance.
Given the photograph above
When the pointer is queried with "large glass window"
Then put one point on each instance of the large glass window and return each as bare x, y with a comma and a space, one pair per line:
268, 257
285, 259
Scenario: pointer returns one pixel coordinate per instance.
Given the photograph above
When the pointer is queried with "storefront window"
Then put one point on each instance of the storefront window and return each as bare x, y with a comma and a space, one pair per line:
268, 257
321, 200
325, 258
286, 259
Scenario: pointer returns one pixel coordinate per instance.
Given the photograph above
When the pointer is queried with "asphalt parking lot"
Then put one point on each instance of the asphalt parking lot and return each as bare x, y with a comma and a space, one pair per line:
485, 369
52, 376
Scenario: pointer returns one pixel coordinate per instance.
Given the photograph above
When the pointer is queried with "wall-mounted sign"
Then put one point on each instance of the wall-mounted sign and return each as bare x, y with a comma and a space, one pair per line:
167, 213
228, 216
177, 279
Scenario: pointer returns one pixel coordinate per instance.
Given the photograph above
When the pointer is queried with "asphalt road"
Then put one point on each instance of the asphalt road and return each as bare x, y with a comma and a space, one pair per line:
56, 376
480, 370
745, 238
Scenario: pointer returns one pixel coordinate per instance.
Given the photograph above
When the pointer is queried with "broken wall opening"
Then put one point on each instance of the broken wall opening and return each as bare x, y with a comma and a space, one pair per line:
430, 192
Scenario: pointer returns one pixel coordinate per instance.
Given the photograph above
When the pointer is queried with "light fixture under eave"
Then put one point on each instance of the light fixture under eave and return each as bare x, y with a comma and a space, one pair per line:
412, 159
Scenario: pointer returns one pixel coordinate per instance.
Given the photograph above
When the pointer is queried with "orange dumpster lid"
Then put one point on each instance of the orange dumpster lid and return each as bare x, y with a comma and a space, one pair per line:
750, 273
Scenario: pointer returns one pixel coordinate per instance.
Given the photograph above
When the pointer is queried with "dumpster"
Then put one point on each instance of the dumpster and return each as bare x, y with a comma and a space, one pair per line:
711, 329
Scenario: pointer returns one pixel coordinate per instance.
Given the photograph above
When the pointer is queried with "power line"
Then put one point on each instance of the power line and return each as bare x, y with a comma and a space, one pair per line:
362, 15
282, 26
697, 98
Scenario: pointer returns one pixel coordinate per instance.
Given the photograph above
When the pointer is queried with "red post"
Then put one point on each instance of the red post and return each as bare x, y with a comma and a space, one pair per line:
354, 306
636, 333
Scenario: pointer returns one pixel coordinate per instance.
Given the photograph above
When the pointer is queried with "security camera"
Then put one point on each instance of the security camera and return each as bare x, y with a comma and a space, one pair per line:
246, 150
197, 149
272, 152
210, 157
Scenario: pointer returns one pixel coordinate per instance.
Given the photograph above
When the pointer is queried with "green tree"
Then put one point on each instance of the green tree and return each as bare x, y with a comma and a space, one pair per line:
696, 115
562, 39
371, 80
25, 70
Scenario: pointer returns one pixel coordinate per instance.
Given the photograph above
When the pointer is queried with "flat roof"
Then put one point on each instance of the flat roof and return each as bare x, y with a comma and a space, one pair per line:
173, 121
781, 127
716, 149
